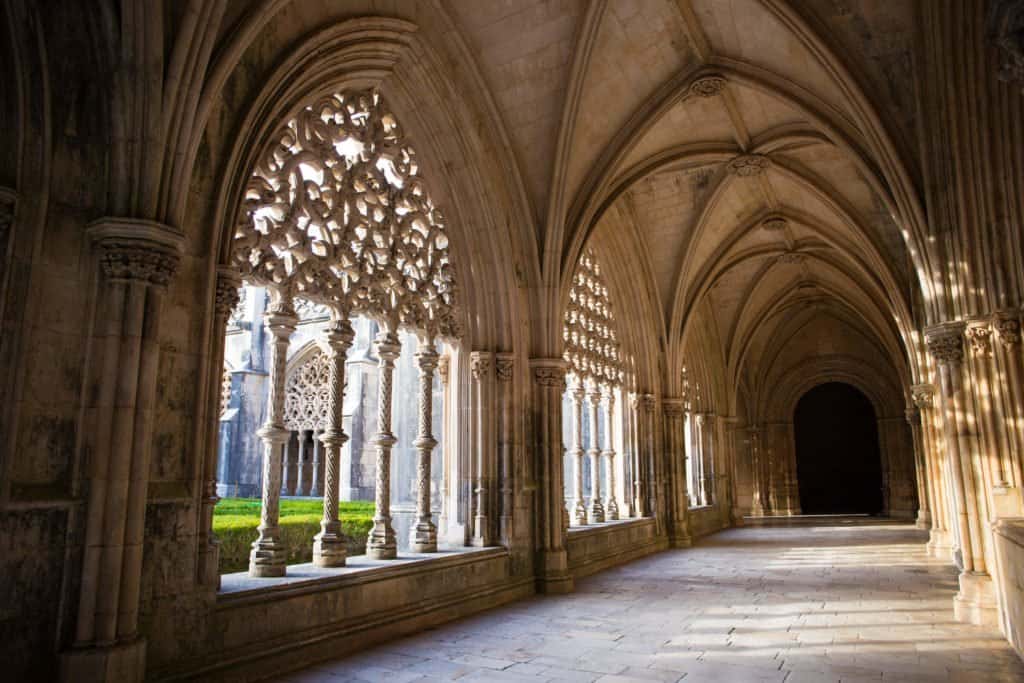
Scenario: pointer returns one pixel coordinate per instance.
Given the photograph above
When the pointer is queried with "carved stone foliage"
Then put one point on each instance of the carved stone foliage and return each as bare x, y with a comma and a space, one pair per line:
979, 336
591, 344
748, 165
309, 310
945, 342
708, 86
1006, 28
921, 395
237, 315
307, 393
1007, 327
336, 211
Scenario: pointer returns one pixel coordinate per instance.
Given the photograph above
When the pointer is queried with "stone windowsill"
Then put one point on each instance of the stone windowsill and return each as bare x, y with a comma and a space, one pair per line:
1010, 528
239, 588
700, 508
603, 526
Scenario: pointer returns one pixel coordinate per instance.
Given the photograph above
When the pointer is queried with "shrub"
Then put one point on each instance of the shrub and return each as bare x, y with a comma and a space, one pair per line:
235, 521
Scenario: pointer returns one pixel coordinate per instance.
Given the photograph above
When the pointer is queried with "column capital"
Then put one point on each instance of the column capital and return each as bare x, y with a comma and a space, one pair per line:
673, 407
8, 201
549, 372
480, 364
444, 366
427, 358
1007, 325
921, 395
504, 366
945, 341
979, 336
226, 297
137, 250
646, 401
337, 336
387, 346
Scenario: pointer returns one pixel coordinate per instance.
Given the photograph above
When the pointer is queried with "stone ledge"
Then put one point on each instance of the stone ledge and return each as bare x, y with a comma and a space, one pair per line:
597, 547
241, 589
1010, 528
606, 527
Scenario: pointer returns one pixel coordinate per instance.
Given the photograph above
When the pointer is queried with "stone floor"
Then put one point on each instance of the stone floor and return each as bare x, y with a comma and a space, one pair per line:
846, 602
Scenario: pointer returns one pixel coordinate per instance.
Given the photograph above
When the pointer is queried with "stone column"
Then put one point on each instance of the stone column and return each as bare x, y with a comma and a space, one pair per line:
579, 508
305, 478
447, 469
675, 452
595, 511
924, 517
611, 504
976, 600
1007, 327
649, 476
504, 366
548, 386
289, 467
698, 459
330, 545
636, 407
268, 554
940, 542
482, 368
759, 501
225, 301
424, 533
137, 260
734, 435
318, 464
380, 544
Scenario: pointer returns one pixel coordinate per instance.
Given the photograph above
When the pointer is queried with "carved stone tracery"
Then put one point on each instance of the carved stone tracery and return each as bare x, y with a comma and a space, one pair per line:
748, 165
591, 344
307, 391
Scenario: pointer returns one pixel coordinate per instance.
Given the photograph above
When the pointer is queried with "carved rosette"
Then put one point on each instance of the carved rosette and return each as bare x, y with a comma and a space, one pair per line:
774, 223
945, 342
791, 257
748, 165
708, 86
1007, 326
979, 338
921, 395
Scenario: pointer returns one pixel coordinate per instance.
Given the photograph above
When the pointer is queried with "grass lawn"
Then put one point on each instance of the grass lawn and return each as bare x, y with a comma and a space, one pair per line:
235, 521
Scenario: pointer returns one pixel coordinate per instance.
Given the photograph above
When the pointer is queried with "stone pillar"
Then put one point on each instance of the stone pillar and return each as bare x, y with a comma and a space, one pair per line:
225, 301
611, 504
675, 452
289, 467
578, 513
137, 260
698, 459
639, 502
380, 544
268, 554
734, 435
976, 600
424, 533
924, 517
940, 541
482, 368
504, 366
330, 544
318, 464
595, 511
447, 469
305, 478
759, 502
548, 386
1008, 355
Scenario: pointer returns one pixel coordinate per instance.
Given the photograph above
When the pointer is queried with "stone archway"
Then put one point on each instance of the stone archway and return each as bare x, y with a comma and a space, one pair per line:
838, 455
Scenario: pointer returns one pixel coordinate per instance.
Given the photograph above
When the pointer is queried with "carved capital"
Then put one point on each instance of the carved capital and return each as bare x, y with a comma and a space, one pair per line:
480, 363
979, 337
549, 372
748, 165
444, 365
673, 407
1007, 326
387, 346
922, 395
8, 199
945, 342
708, 86
227, 296
338, 336
137, 250
1006, 30
647, 402
504, 366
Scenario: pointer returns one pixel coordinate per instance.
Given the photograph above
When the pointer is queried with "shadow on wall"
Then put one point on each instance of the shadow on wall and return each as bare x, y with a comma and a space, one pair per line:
839, 465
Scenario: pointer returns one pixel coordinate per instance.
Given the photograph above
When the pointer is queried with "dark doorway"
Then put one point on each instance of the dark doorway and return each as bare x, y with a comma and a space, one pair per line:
838, 462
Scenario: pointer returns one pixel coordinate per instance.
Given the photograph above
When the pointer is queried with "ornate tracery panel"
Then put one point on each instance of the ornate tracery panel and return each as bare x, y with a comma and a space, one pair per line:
307, 391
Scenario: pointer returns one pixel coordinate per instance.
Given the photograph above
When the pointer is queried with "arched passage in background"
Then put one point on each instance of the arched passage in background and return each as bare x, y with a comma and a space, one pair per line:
839, 464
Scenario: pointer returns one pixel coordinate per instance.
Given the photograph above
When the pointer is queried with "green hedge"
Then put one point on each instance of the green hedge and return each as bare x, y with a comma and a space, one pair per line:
235, 521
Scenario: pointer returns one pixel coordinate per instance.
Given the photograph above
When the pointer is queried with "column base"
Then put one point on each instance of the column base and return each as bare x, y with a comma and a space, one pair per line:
329, 549
381, 544
595, 515
423, 538
267, 561
481, 535
579, 514
554, 577
976, 601
924, 520
123, 662
611, 511
940, 544
680, 540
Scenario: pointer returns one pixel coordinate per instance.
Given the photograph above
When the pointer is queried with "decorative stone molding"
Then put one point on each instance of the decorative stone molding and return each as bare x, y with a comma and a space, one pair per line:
1006, 30
444, 364
945, 342
922, 394
547, 373
708, 86
480, 364
748, 165
1007, 326
307, 394
673, 407
791, 257
137, 250
979, 337
337, 211
227, 296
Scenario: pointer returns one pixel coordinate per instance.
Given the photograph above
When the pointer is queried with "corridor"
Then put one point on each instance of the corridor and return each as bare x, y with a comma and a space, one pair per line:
851, 601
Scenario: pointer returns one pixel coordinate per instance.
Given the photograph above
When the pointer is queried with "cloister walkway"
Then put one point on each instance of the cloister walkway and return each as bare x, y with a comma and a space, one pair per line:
839, 601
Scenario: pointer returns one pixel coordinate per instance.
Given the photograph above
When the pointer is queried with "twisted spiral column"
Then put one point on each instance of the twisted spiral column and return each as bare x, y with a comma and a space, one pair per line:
329, 545
424, 533
381, 545
595, 514
268, 554
579, 508
611, 504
